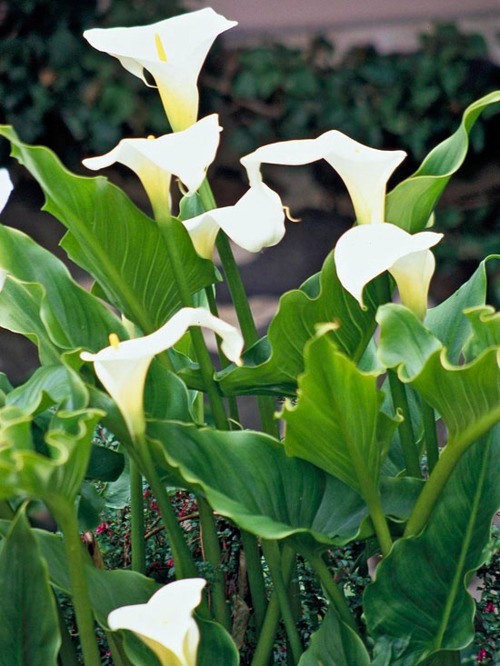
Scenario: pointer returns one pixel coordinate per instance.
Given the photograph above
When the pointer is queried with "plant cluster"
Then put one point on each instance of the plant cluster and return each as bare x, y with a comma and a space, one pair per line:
128, 412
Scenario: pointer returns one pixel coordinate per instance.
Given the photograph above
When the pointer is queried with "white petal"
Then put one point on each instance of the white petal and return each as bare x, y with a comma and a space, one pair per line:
167, 619
366, 251
254, 222
122, 369
185, 41
203, 230
186, 154
413, 275
6, 188
364, 170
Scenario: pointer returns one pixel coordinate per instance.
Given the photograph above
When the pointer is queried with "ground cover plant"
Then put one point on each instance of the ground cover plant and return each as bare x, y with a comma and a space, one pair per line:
380, 416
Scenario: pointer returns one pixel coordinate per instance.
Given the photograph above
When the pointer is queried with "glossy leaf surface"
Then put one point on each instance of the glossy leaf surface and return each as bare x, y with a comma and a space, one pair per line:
411, 621
410, 204
29, 628
113, 240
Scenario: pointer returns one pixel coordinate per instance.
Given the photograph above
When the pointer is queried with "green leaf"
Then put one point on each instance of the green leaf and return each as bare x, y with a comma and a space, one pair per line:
104, 464
467, 397
50, 385
216, 645
410, 204
56, 477
248, 477
485, 324
447, 320
418, 603
20, 306
29, 628
335, 644
272, 367
42, 301
327, 426
116, 243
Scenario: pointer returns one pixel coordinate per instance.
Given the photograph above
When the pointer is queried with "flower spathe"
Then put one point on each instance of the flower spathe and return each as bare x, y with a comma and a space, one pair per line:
254, 222
122, 366
166, 622
186, 154
364, 170
6, 188
172, 51
366, 251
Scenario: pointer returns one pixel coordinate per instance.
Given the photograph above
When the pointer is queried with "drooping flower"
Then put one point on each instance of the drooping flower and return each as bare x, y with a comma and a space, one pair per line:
6, 188
186, 154
364, 170
366, 251
172, 51
254, 222
122, 366
166, 622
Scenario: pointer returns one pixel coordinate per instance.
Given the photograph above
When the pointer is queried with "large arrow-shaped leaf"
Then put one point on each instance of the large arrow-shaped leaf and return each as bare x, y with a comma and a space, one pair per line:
467, 397
335, 644
418, 603
43, 302
109, 237
248, 477
411, 203
337, 423
29, 628
275, 364
447, 320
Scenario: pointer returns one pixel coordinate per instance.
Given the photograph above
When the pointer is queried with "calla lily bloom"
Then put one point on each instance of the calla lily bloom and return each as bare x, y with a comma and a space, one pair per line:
366, 251
186, 154
166, 622
122, 367
365, 171
6, 188
254, 222
172, 51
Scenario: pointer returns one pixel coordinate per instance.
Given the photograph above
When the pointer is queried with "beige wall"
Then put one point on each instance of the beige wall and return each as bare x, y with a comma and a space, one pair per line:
390, 24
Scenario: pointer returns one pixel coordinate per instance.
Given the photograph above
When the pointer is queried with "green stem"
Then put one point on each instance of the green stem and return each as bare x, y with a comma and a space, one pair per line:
255, 576
137, 519
406, 435
335, 595
241, 305
431, 440
379, 520
212, 555
183, 559
273, 558
231, 400
434, 486
264, 648
67, 652
66, 519
200, 348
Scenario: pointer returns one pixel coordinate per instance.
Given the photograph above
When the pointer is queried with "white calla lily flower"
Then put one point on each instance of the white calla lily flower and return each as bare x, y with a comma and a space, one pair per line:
6, 188
186, 154
366, 251
172, 51
364, 170
123, 366
254, 222
166, 622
